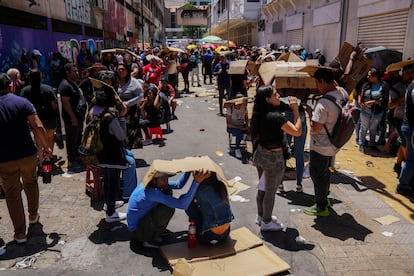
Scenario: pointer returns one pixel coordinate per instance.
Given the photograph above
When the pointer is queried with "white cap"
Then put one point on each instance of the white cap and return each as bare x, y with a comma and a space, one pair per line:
317, 51
36, 52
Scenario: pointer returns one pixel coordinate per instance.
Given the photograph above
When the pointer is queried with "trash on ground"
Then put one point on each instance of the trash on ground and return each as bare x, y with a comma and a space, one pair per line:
387, 220
219, 153
2, 251
369, 164
28, 261
238, 198
387, 234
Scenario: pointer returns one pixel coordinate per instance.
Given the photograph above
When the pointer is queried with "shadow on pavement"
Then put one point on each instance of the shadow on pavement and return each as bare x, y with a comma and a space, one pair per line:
342, 227
37, 241
158, 259
341, 178
110, 233
287, 240
141, 163
303, 199
376, 185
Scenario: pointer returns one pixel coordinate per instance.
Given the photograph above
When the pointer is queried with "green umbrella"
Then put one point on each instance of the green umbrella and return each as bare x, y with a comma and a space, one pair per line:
211, 39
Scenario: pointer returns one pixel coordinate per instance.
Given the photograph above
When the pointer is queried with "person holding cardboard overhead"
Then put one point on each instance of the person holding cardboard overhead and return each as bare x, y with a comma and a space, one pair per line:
152, 205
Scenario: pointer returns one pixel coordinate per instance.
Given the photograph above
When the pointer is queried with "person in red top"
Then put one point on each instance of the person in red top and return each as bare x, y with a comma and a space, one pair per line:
168, 90
152, 72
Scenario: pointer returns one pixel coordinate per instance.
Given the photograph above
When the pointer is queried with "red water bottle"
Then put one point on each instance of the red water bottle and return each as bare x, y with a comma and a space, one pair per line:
192, 239
46, 170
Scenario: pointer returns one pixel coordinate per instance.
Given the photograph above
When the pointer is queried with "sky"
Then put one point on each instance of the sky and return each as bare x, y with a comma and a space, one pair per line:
174, 3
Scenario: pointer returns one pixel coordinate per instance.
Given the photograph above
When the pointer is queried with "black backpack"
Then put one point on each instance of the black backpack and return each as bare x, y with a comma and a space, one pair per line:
345, 124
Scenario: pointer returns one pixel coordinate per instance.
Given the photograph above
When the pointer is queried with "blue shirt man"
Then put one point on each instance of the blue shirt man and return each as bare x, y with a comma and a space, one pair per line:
151, 207
223, 80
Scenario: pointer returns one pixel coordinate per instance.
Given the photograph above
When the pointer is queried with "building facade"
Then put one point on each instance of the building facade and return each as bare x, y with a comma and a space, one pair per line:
67, 26
326, 24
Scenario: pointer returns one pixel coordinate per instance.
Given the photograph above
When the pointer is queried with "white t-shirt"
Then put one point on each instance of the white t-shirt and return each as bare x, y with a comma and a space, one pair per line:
326, 112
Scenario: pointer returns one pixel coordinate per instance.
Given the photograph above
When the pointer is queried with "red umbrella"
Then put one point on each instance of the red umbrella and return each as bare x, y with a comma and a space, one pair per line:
232, 44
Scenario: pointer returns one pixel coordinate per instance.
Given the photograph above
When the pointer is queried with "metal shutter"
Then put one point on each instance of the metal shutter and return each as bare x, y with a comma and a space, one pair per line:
386, 30
295, 37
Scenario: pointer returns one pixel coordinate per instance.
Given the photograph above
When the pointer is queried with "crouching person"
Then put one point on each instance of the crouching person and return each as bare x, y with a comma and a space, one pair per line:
151, 206
210, 210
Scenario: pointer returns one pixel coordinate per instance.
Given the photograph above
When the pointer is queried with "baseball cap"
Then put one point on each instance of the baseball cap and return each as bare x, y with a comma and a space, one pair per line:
36, 52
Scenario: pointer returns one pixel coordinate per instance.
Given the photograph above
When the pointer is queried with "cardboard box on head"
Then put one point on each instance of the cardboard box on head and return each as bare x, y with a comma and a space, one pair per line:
188, 164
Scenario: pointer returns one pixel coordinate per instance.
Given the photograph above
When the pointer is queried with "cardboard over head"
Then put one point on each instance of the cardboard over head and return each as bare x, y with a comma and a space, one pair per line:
160, 168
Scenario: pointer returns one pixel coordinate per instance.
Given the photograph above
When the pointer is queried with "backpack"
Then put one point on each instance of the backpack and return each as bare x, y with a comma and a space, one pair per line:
91, 144
345, 124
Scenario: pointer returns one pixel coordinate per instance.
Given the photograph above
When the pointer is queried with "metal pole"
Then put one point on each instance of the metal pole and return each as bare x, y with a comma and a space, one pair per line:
142, 24
228, 23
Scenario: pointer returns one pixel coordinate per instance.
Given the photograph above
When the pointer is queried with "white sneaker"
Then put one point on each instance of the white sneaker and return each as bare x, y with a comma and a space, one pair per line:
238, 153
118, 204
115, 217
271, 226
259, 219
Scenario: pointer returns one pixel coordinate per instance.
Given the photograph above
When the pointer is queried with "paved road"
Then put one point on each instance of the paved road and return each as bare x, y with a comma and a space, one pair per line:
73, 239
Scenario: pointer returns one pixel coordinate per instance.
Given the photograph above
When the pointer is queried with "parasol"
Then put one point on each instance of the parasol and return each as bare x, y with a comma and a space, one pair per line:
211, 38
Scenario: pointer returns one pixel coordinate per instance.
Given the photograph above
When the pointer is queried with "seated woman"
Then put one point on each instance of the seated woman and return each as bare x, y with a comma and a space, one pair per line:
210, 210
237, 118
151, 111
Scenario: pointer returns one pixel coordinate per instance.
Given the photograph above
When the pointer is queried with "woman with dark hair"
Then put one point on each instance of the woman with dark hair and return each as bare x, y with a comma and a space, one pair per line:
185, 70
130, 92
150, 108
268, 127
210, 210
112, 158
373, 104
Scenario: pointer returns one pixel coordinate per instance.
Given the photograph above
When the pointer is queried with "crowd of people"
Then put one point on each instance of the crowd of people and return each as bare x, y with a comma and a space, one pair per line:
140, 94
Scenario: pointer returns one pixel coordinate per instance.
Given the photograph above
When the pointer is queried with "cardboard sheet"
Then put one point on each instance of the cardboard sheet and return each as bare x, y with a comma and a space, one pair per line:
242, 254
234, 187
387, 220
237, 67
187, 164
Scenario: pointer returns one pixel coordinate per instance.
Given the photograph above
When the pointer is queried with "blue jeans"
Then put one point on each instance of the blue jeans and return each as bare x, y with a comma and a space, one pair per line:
129, 176
272, 165
321, 177
238, 133
299, 148
369, 121
406, 180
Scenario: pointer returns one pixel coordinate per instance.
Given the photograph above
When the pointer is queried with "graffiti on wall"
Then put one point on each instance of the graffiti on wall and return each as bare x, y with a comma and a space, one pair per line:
70, 49
78, 10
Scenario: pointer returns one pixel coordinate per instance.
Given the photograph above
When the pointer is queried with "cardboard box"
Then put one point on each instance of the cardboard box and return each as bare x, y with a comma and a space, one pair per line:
242, 253
237, 67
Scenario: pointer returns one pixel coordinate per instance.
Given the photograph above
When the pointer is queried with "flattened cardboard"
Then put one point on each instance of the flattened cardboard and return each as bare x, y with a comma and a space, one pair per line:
257, 261
187, 164
267, 71
239, 240
242, 254
387, 220
237, 67
289, 57
234, 187
253, 68
398, 65
360, 66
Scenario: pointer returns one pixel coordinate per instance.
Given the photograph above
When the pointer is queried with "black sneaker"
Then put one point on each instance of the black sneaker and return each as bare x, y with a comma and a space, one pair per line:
299, 188
405, 191
397, 168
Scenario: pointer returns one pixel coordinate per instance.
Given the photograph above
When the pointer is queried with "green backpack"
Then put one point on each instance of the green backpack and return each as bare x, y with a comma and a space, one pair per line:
91, 144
